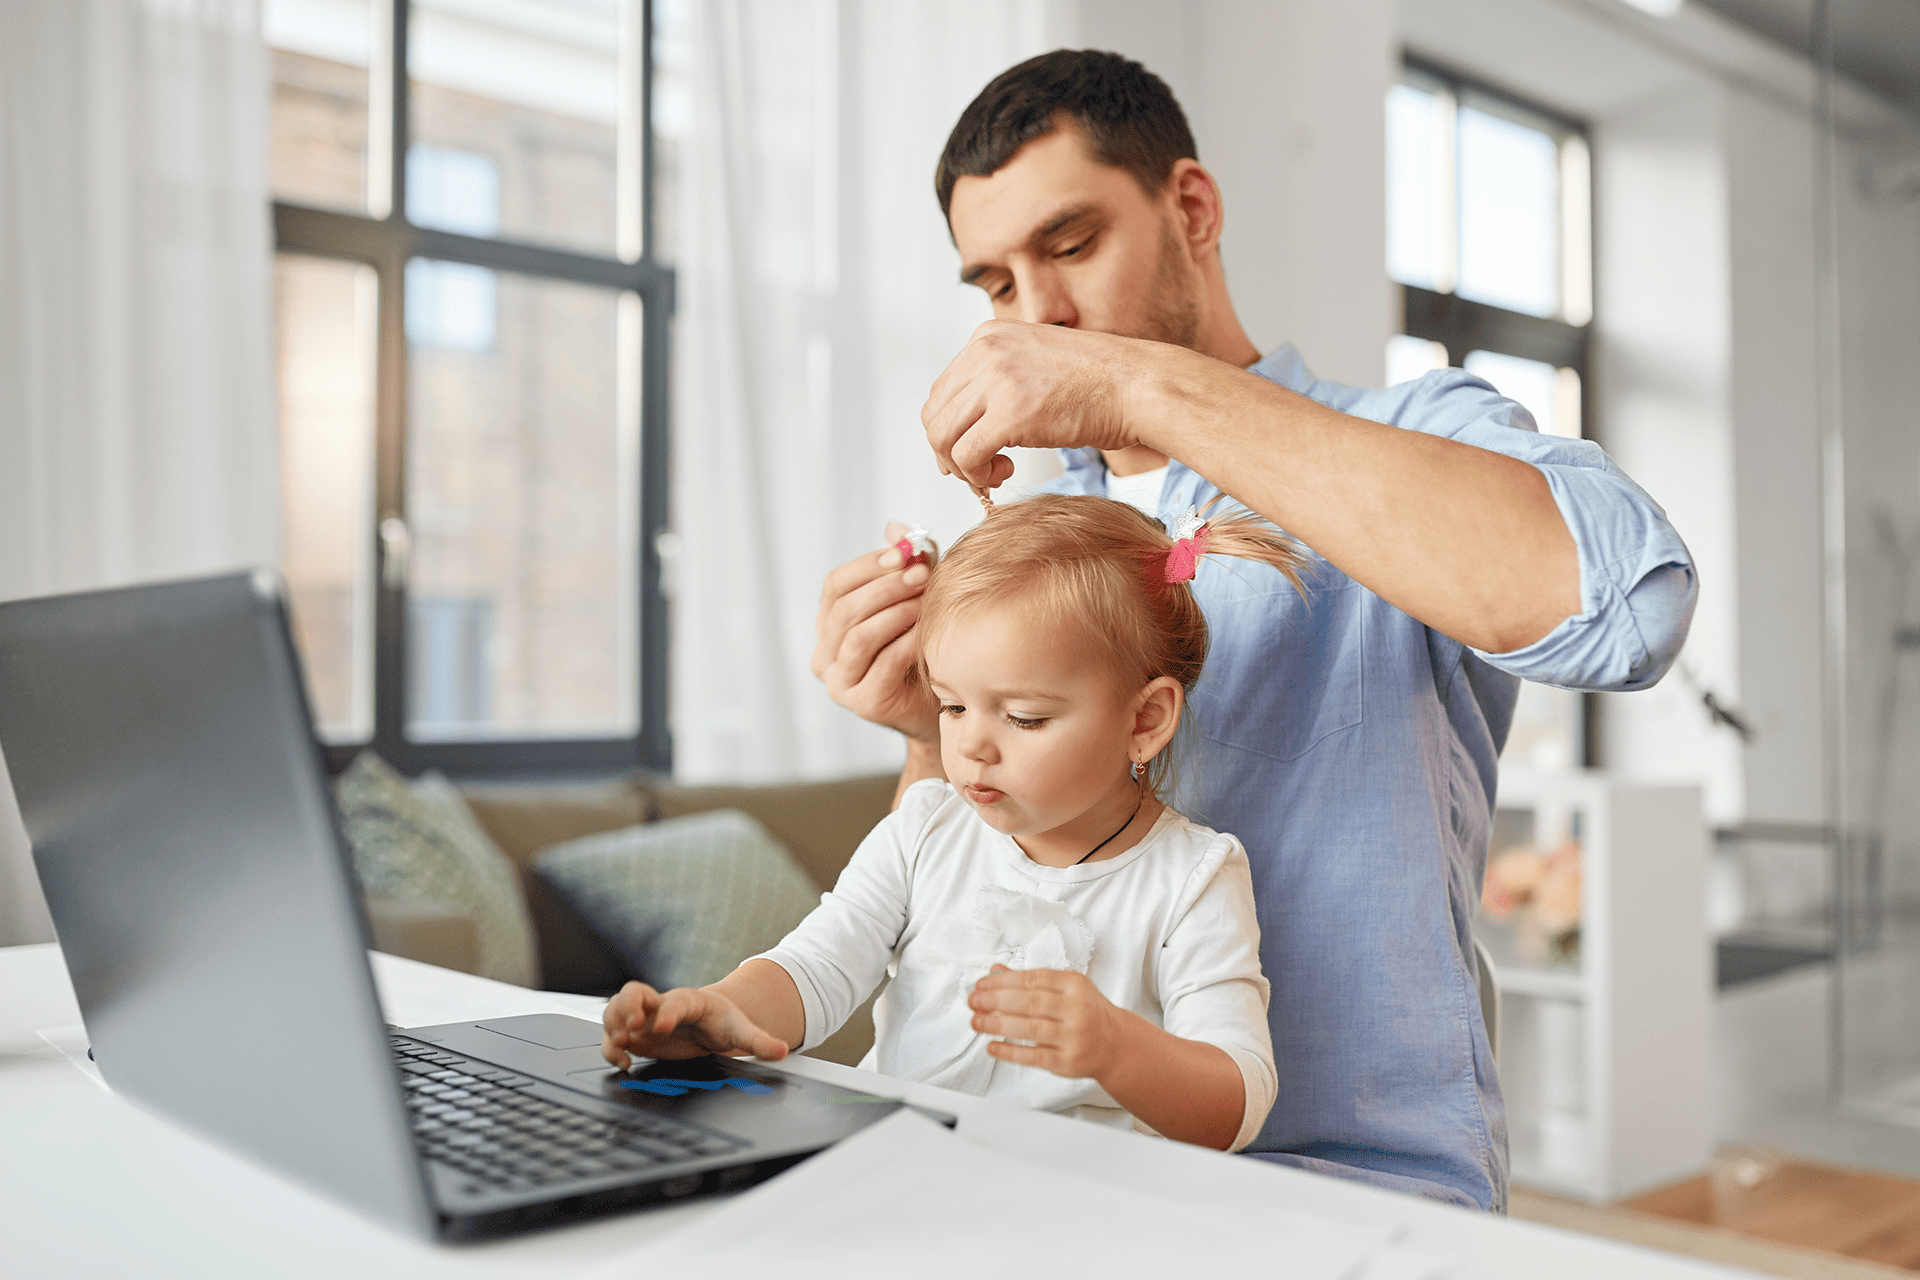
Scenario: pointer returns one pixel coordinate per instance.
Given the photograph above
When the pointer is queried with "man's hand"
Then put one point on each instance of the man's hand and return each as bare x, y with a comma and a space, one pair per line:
1075, 1031
685, 1022
867, 647
1037, 386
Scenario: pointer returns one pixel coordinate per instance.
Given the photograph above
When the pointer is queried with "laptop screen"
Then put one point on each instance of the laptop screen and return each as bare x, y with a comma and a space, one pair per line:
160, 748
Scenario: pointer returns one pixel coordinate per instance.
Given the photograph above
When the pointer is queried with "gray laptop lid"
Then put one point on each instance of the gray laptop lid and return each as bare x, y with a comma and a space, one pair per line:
159, 745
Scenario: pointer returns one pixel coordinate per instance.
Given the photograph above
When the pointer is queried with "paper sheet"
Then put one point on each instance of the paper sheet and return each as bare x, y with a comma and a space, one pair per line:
1398, 1262
907, 1197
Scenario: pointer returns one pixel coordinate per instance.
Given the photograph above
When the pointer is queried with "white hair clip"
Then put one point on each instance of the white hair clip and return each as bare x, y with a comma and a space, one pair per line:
915, 546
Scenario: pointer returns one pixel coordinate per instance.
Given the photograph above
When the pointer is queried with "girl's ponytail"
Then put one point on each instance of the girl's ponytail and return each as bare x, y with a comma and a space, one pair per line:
1243, 537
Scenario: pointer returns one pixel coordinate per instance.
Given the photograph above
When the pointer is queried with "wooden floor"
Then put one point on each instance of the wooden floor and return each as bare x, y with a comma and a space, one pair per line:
1871, 1216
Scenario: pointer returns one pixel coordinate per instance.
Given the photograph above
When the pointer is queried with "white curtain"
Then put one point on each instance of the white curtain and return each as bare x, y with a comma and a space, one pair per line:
818, 301
137, 436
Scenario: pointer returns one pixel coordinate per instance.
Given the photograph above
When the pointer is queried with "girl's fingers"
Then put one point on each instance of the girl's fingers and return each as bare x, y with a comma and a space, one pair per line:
1026, 1055
614, 1050
677, 1007
1038, 1030
1016, 1000
763, 1045
621, 1009
733, 1034
1002, 978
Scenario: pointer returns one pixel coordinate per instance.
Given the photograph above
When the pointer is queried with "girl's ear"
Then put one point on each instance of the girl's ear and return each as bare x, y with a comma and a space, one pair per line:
1155, 717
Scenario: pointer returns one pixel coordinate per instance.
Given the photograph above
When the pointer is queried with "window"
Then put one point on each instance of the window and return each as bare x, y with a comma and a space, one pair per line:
1489, 217
471, 337
1488, 236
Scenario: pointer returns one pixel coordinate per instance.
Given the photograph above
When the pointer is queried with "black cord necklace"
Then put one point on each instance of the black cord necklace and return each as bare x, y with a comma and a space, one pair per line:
1116, 835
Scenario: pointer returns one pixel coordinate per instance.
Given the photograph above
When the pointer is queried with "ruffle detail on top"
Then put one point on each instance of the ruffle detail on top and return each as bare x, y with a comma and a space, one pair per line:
1024, 931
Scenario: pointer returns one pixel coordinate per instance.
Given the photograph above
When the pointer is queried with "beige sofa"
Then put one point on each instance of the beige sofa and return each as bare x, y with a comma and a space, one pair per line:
820, 822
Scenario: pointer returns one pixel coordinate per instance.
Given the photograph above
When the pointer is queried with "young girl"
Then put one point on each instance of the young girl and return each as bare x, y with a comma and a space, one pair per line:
1056, 935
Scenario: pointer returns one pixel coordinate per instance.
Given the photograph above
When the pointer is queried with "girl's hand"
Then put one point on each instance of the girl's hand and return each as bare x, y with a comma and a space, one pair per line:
1075, 1031
685, 1022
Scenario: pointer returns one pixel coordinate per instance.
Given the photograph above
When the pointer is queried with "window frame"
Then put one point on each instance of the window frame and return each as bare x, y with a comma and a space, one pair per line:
1463, 325
386, 244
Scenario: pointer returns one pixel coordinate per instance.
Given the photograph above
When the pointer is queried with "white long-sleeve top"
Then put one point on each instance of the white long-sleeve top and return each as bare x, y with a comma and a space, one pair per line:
934, 897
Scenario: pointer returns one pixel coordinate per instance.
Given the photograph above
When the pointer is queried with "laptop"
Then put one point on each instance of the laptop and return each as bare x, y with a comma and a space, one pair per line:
162, 752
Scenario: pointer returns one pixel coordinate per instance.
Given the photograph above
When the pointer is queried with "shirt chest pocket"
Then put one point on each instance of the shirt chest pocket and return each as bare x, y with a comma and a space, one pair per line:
1282, 674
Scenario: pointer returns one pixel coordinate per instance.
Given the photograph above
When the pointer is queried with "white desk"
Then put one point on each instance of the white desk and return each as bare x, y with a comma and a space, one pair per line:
92, 1187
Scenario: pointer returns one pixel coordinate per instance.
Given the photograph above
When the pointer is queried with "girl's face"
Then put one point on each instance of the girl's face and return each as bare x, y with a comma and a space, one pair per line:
1035, 734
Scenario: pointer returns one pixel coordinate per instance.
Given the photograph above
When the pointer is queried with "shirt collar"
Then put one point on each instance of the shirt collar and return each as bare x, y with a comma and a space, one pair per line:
1285, 366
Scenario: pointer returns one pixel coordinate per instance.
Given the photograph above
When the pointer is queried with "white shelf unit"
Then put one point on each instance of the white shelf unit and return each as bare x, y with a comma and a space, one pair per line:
1605, 1063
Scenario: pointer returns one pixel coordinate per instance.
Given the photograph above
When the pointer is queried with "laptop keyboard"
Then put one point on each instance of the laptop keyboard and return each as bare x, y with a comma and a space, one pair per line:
483, 1121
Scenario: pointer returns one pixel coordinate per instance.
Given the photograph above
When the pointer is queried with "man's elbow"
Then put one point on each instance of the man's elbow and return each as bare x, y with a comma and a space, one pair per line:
1662, 605
1624, 642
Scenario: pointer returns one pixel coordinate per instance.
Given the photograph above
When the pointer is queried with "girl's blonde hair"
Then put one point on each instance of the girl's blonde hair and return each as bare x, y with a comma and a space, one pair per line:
1100, 565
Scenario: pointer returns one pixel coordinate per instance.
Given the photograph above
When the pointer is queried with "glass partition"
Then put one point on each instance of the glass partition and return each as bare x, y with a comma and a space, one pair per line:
1868, 216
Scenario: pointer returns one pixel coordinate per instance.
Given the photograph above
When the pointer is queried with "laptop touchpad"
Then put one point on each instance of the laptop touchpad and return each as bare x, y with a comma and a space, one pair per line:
548, 1030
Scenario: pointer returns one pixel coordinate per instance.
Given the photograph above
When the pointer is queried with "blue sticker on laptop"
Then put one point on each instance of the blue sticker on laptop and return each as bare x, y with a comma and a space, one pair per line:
678, 1088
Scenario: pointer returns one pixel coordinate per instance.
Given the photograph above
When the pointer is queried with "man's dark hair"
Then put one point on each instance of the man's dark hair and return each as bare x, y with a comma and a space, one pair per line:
1127, 113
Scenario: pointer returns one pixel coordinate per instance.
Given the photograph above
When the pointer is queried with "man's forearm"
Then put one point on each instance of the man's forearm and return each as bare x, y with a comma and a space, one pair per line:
1464, 539
923, 761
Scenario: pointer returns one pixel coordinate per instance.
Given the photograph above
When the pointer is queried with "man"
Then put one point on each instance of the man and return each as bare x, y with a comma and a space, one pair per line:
1351, 740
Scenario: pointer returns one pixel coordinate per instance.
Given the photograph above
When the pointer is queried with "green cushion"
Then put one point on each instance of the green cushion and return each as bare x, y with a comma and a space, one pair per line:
420, 840
684, 900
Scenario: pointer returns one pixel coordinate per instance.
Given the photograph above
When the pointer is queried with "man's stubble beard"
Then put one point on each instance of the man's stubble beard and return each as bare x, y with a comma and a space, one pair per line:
1173, 310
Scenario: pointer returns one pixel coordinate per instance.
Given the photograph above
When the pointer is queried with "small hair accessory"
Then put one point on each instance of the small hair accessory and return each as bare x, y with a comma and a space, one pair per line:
915, 547
1189, 544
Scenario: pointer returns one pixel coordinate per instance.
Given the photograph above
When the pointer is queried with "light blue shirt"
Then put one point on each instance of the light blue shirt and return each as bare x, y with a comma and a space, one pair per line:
1355, 753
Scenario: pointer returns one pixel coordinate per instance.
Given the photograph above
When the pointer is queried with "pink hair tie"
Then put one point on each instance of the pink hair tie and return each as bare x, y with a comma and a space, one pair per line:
1189, 544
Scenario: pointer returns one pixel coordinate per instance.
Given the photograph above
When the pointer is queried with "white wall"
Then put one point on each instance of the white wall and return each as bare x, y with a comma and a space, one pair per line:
1662, 365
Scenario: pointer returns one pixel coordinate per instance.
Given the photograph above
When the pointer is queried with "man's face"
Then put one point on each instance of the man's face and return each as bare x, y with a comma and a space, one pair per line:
1056, 237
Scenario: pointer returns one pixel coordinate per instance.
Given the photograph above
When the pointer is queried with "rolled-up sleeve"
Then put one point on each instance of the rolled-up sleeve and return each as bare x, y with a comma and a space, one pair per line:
1637, 582
1637, 587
